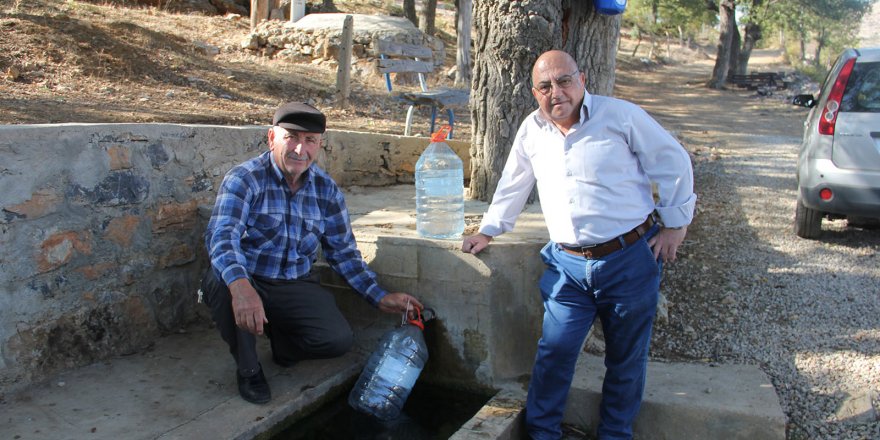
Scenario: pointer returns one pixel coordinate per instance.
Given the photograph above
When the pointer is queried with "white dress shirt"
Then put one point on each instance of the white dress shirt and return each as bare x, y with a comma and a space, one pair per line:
594, 183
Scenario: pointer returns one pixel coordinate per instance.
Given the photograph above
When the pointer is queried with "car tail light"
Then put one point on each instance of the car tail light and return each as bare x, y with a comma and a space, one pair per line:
832, 105
826, 194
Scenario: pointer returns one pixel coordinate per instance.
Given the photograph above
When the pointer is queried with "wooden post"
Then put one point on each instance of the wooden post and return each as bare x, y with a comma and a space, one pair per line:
343, 72
259, 12
463, 44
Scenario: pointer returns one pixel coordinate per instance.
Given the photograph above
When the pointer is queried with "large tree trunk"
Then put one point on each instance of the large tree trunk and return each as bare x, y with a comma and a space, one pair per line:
725, 39
733, 56
463, 44
510, 37
409, 11
592, 40
753, 34
428, 14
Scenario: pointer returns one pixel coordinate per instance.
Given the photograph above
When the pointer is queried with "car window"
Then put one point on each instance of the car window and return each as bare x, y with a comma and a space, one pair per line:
863, 89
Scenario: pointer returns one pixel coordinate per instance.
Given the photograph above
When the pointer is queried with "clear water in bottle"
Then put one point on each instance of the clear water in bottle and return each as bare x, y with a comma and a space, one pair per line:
439, 191
390, 373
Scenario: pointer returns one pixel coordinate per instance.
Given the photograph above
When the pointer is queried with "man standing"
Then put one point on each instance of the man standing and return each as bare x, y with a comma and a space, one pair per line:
594, 159
271, 214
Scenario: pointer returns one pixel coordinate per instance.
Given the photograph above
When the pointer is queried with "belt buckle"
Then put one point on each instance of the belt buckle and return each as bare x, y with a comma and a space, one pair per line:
587, 251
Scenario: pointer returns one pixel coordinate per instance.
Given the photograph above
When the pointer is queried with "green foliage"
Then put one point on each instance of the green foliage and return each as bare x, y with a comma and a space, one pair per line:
658, 17
817, 30
816, 73
825, 27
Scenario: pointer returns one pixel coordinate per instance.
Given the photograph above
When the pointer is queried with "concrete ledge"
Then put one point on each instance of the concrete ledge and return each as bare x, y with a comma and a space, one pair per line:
501, 418
682, 402
182, 388
687, 401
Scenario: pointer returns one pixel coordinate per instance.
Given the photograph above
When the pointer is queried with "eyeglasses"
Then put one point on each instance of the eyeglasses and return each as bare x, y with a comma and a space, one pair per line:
563, 82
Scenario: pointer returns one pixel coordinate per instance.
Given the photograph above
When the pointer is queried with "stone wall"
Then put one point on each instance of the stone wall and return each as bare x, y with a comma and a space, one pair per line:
318, 37
101, 230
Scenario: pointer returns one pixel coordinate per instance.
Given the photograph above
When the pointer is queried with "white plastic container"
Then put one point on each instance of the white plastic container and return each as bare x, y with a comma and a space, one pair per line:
391, 372
439, 190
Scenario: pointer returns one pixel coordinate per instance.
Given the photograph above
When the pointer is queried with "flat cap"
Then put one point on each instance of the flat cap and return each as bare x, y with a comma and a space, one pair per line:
301, 117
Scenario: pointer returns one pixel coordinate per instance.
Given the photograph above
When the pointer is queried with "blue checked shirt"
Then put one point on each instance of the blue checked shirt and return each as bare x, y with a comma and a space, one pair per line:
259, 227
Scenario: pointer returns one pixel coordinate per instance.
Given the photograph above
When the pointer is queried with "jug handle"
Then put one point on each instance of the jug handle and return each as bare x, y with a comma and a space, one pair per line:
441, 134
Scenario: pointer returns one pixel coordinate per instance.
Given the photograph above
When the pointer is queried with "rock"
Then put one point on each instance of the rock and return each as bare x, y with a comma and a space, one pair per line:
13, 73
858, 407
662, 309
451, 72
251, 42
205, 48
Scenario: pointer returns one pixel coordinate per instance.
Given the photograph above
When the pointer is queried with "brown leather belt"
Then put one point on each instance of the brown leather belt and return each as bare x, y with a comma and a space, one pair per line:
602, 249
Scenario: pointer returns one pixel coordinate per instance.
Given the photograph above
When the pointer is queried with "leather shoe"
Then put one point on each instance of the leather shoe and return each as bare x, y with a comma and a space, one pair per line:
284, 363
254, 388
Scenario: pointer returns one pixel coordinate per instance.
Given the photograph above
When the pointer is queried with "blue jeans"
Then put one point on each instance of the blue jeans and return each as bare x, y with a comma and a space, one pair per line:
622, 290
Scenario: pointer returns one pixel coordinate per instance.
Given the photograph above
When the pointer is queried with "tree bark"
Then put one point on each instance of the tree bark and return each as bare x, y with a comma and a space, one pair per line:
428, 15
725, 38
259, 12
510, 36
592, 41
463, 43
821, 41
803, 49
409, 11
733, 56
753, 35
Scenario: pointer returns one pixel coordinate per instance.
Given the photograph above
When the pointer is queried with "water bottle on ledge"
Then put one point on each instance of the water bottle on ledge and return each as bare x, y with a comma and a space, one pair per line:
391, 371
439, 190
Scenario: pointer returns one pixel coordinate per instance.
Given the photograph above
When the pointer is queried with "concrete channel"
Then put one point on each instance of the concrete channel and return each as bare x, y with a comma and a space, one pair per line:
176, 382
183, 388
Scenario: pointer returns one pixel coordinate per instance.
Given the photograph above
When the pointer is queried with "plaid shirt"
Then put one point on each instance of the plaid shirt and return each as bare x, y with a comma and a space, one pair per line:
260, 228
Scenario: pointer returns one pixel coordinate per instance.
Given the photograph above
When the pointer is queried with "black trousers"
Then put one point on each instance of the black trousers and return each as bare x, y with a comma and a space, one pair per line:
304, 321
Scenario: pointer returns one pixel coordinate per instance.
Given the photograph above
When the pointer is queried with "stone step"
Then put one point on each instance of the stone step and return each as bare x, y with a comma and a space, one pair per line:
687, 401
682, 402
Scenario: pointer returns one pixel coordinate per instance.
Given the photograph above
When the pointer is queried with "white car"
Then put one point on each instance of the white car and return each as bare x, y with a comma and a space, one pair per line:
838, 172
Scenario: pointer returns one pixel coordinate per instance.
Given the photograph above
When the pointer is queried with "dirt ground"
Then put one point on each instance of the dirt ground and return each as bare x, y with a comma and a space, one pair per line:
82, 62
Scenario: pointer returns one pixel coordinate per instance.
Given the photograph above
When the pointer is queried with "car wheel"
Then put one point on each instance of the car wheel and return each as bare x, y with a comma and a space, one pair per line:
807, 222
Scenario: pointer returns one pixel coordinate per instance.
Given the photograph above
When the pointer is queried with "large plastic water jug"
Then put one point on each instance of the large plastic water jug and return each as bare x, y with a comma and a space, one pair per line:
439, 190
391, 371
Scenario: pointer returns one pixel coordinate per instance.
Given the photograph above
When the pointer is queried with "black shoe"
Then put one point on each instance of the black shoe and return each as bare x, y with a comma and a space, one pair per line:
254, 388
284, 363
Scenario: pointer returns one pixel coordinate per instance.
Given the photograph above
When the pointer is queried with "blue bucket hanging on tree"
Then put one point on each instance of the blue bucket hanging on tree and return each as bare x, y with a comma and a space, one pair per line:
610, 7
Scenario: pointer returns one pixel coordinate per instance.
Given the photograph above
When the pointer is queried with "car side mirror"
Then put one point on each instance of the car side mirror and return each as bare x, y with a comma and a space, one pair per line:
807, 101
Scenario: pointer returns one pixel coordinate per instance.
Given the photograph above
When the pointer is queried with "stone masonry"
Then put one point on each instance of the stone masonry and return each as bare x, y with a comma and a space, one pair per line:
318, 37
103, 237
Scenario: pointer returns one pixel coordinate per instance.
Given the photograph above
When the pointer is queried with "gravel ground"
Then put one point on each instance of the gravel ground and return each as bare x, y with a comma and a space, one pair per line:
747, 290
